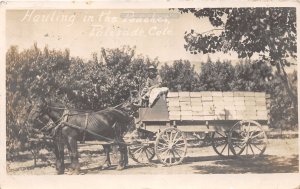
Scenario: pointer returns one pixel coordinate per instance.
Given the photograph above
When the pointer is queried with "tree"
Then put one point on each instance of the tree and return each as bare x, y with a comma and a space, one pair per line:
216, 76
282, 115
249, 76
269, 32
180, 75
54, 75
29, 74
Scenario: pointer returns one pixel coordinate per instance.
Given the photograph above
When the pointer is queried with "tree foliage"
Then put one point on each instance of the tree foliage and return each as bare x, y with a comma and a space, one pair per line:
53, 75
269, 32
215, 76
247, 31
180, 75
250, 76
253, 76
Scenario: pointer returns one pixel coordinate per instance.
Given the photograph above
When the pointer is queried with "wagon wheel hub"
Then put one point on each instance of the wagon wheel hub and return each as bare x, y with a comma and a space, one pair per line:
247, 139
170, 146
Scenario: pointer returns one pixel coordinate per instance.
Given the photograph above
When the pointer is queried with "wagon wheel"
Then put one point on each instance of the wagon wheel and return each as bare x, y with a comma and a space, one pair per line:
220, 143
247, 139
141, 153
171, 146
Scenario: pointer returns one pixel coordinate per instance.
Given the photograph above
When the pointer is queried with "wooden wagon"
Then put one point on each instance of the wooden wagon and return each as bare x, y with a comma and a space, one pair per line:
234, 121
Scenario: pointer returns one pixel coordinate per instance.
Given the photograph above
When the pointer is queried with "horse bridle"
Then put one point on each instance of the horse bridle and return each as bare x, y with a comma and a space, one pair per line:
42, 113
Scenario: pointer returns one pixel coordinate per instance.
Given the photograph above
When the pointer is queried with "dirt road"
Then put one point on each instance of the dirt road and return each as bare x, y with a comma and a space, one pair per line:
281, 156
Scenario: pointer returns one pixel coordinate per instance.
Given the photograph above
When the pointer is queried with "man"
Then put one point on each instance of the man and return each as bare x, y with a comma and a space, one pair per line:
153, 88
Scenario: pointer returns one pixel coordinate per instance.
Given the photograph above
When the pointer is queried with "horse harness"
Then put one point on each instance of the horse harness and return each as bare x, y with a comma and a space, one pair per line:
64, 121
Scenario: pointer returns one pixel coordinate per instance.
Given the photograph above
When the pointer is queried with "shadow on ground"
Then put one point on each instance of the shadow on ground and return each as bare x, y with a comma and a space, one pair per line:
264, 164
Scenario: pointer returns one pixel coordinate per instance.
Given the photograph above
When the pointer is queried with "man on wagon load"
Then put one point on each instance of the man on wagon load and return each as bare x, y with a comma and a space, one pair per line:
152, 89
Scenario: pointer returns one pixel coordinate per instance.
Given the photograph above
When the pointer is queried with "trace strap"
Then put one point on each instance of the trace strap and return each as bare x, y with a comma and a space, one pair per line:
86, 130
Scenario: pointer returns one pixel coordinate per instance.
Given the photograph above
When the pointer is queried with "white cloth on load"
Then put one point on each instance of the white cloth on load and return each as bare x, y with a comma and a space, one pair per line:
155, 93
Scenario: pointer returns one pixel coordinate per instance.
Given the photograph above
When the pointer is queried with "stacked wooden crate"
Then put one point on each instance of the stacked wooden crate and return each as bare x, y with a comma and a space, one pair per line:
213, 105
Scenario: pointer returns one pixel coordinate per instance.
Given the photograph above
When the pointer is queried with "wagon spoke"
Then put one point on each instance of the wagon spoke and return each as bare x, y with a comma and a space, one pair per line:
221, 144
255, 136
251, 149
228, 150
256, 147
177, 140
224, 148
173, 155
170, 157
137, 150
171, 136
179, 145
180, 139
140, 153
149, 152
164, 152
175, 137
253, 132
148, 157
163, 137
182, 151
165, 160
237, 139
237, 146
249, 127
163, 144
177, 153
162, 149
221, 134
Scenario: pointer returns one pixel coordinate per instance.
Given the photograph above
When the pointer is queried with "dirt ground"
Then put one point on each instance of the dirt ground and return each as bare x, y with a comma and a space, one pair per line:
281, 156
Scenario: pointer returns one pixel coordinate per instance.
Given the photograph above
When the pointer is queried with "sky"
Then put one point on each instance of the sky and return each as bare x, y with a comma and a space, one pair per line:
86, 31
154, 32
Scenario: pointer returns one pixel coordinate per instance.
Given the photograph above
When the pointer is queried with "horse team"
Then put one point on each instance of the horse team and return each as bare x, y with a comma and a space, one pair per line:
70, 126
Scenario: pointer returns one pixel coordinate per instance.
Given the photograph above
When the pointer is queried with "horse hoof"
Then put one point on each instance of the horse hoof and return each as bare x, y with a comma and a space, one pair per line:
60, 172
103, 167
76, 172
120, 168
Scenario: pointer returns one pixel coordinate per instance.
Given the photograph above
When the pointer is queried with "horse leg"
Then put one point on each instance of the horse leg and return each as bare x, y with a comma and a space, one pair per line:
59, 154
107, 157
123, 161
69, 149
74, 154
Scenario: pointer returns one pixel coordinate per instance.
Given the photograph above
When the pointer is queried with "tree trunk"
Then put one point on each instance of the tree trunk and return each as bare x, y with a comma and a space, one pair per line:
288, 86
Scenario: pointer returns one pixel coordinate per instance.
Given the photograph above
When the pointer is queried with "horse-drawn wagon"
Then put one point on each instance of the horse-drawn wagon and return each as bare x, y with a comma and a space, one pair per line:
235, 123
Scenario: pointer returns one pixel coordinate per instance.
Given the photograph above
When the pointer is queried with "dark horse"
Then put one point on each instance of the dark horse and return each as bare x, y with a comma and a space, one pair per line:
71, 126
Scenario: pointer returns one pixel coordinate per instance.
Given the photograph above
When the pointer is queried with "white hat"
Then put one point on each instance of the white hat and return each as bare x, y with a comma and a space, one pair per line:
151, 68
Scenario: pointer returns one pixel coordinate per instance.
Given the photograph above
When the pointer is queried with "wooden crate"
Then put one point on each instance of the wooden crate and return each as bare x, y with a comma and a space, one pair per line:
195, 95
206, 93
207, 98
216, 105
172, 94
228, 94
174, 108
184, 94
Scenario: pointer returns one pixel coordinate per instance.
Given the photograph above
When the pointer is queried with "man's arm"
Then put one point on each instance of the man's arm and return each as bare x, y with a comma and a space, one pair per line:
159, 82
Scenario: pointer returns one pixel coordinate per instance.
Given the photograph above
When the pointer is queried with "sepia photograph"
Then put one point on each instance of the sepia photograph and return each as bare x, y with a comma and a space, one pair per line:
150, 91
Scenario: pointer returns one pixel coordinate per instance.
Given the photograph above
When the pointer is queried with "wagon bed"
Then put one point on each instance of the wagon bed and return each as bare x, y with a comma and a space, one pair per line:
234, 122
206, 111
